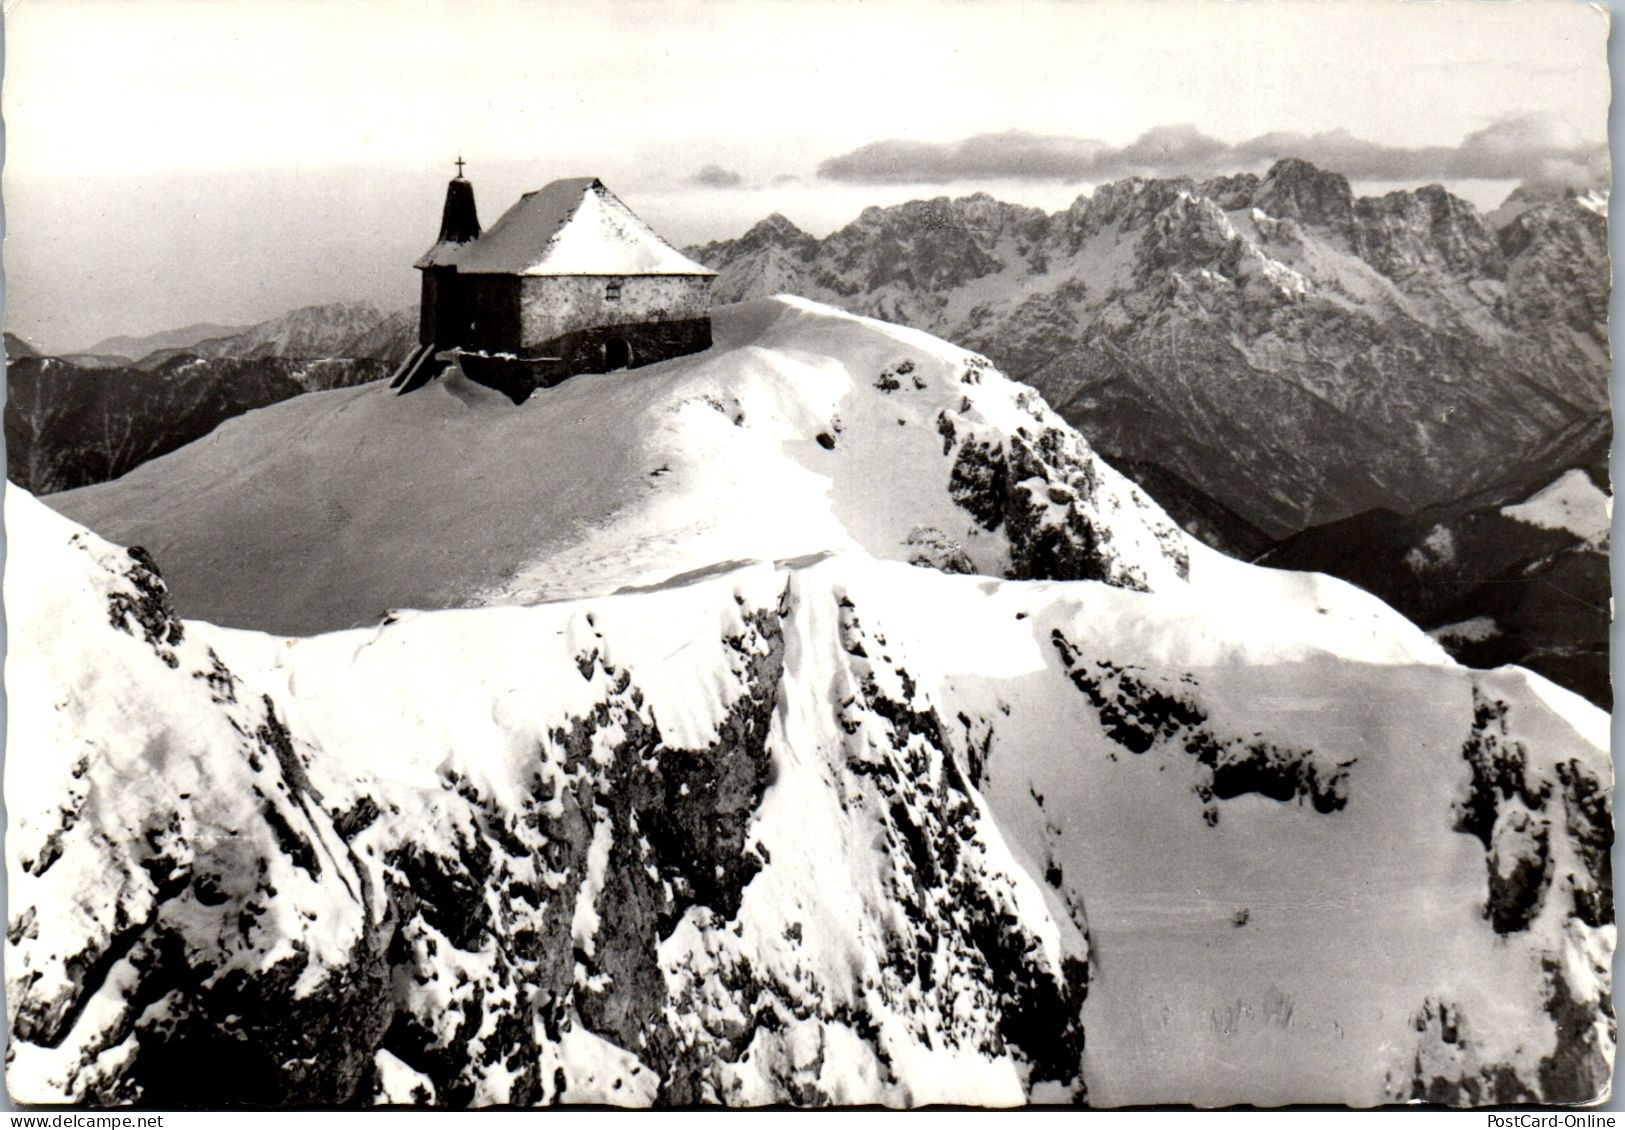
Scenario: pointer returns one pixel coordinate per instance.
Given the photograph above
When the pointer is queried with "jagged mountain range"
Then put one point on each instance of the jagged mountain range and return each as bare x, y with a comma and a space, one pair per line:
1289, 352
1297, 354
816, 719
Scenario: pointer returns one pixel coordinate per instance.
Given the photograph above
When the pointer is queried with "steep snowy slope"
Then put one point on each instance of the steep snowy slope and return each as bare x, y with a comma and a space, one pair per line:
538, 862
848, 831
803, 431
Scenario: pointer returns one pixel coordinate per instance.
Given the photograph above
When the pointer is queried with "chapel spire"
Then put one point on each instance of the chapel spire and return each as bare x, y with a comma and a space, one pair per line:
460, 221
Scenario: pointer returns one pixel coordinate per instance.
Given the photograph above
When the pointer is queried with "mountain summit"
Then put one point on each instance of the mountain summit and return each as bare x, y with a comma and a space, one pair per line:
816, 719
804, 432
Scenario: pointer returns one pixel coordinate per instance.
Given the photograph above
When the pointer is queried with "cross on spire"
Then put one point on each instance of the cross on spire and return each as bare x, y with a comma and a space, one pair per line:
459, 164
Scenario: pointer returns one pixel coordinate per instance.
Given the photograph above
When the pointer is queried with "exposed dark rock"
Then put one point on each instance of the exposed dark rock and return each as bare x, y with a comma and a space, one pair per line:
1139, 711
146, 605
1508, 807
1499, 768
1447, 1067
1591, 828
1043, 486
979, 482
1520, 869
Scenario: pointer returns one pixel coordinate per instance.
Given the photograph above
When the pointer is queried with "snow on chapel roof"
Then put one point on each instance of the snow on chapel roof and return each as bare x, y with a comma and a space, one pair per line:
571, 227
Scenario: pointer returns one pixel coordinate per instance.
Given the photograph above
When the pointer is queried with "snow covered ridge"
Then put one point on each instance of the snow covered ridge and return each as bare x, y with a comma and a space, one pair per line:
789, 833
803, 431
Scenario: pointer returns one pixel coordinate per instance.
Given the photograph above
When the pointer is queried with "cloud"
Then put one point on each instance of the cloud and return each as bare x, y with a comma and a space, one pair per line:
1521, 148
715, 176
1342, 151
1025, 156
1529, 147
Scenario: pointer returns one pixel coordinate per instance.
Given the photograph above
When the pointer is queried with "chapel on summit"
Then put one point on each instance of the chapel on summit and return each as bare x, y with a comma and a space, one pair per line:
568, 281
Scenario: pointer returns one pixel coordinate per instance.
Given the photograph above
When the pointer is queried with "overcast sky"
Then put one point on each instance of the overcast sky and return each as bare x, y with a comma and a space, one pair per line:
225, 160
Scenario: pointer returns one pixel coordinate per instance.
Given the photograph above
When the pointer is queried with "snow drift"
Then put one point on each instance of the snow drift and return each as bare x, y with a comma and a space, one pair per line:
726, 799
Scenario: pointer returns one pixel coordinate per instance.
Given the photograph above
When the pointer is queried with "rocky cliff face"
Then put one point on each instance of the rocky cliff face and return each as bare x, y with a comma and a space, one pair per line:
837, 728
842, 853
1293, 352
644, 892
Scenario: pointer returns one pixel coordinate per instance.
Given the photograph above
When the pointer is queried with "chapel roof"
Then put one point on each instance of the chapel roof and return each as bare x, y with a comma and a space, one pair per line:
570, 227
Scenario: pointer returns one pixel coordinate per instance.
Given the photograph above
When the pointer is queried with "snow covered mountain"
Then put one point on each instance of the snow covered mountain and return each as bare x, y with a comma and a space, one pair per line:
812, 720
1296, 353
89, 417
328, 510
331, 330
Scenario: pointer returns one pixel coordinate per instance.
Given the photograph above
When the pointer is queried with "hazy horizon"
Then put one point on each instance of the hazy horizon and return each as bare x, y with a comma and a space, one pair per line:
171, 162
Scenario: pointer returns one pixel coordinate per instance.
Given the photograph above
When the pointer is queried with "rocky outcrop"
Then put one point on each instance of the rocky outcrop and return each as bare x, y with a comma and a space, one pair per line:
1138, 710
1514, 805
1045, 488
1546, 861
215, 908
225, 945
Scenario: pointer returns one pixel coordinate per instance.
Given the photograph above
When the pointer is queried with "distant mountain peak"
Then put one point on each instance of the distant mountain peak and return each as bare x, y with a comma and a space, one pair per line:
1295, 189
776, 224
1526, 196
